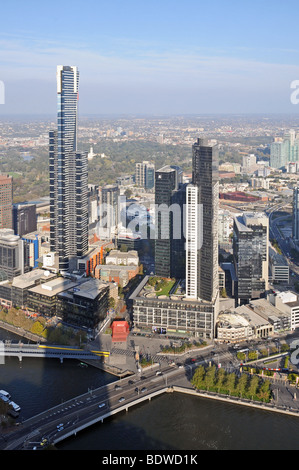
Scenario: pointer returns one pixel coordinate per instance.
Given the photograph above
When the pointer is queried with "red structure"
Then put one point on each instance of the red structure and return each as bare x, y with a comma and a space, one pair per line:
120, 331
242, 197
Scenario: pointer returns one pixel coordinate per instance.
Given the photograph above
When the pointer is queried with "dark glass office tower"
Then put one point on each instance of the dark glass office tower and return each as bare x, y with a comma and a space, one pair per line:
169, 241
202, 224
68, 176
251, 258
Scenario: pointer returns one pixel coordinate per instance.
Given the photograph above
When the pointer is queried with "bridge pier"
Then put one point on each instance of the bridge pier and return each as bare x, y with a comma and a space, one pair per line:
61, 359
20, 357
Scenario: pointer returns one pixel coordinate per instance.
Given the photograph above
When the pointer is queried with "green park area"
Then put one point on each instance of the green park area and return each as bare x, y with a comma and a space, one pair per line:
161, 286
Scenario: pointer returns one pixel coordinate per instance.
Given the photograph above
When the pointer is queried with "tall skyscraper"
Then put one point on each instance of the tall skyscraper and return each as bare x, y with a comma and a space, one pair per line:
169, 199
202, 200
68, 176
251, 255
6, 200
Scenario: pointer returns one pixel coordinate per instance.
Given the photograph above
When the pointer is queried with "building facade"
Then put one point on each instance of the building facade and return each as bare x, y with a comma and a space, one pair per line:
145, 175
202, 201
68, 176
169, 212
24, 219
251, 255
6, 200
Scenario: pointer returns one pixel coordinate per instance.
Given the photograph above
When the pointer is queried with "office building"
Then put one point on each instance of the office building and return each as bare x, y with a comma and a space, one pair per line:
202, 201
295, 233
68, 176
172, 314
145, 175
6, 200
109, 212
93, 205
251, 255
14, 255
24, 218
169, 245
279, 268
249, 164
85, 305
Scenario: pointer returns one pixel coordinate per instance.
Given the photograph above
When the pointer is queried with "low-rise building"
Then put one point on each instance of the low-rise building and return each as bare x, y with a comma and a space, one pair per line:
84, 304
281, 321
119, 274
119, 258
288, 302
242, 324
173, 314
43, 298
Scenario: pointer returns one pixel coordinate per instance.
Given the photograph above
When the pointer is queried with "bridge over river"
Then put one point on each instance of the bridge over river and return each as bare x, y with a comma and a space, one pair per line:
65, 420
21, 350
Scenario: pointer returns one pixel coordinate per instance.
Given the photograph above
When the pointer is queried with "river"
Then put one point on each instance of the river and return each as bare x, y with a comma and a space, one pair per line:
170, 422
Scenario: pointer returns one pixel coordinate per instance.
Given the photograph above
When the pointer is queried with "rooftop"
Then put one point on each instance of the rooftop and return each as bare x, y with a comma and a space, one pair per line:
54, 287
29, 279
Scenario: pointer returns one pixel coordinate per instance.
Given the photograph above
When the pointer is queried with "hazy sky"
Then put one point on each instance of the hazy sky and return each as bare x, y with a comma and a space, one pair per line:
151, 57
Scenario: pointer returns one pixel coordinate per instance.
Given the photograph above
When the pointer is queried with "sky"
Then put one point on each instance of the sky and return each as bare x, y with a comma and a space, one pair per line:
151, 57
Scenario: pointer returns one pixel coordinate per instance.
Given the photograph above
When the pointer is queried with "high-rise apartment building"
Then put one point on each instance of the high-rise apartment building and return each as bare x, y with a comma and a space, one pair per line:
6, 200
202, 201
251, 255
284, 150
68, 176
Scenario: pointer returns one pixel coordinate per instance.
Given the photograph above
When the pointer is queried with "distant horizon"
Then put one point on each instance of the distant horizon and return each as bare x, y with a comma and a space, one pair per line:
152, 58
158, 115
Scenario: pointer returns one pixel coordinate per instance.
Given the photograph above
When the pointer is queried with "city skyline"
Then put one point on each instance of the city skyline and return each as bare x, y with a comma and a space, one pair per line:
173, 58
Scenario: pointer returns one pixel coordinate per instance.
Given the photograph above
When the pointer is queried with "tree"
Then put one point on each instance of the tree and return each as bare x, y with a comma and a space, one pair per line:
210, 377
242, 385
220, 379
231, 383
198, 377
253, 387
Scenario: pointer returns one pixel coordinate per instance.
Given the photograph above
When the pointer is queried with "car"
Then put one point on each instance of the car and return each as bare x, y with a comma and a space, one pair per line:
143, 390
117, 387
59, 425
121, 399
158, 372
101, 405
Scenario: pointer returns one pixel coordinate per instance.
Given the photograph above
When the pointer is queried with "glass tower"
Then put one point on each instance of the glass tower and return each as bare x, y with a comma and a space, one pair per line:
68, 176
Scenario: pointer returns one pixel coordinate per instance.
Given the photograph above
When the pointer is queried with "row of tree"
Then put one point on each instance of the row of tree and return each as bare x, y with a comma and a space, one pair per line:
58, 334
244, 386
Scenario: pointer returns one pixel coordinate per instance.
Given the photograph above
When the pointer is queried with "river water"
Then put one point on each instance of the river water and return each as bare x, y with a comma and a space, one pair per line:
170, 422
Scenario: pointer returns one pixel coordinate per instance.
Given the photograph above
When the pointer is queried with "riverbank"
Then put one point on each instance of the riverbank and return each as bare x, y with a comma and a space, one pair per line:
238, 401
22, 333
